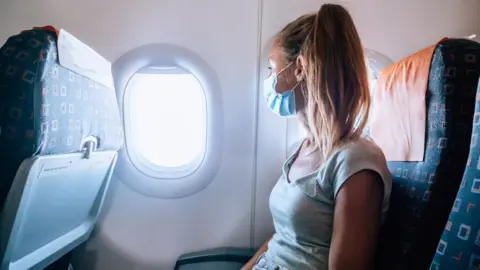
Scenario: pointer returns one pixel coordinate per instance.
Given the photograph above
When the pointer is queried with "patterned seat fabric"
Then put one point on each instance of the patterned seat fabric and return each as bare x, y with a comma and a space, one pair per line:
459, 247
423, 192
46, 109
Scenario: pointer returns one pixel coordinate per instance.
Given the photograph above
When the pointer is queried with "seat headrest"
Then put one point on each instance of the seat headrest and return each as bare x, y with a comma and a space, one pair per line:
398, 117
50, 103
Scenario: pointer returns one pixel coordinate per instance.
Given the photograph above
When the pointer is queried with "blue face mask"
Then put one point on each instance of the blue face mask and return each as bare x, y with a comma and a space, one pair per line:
281, 104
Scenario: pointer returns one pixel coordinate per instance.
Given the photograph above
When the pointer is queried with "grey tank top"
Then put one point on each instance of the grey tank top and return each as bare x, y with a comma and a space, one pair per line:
302, 210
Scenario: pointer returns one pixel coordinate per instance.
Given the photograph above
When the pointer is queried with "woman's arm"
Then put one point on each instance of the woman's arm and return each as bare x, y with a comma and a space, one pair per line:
356, 222
254, 259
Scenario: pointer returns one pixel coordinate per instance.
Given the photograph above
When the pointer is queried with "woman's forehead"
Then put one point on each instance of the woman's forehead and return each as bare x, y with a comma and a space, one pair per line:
276, 56
274, 50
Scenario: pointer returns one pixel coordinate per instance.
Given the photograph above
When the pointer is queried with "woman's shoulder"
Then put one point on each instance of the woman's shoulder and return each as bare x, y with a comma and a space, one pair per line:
354, 157
362, 148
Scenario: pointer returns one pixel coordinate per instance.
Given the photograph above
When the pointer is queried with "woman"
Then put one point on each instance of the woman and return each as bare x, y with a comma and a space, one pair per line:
329, 203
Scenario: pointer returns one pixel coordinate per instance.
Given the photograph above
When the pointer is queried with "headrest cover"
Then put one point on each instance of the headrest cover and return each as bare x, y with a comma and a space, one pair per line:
398, 116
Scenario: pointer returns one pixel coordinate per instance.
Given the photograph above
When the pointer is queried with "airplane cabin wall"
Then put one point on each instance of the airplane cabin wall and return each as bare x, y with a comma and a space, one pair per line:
139, 232
142, 233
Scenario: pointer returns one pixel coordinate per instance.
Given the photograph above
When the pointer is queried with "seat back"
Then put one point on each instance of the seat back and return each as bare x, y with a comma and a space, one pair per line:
459, 246
60, 133
423, 192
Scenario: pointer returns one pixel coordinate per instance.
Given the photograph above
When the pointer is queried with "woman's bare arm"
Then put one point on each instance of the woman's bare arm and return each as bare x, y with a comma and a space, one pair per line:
260, 251
356, 222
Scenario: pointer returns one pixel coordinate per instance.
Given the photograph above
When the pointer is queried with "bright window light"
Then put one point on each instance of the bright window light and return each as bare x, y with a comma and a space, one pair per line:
168, 117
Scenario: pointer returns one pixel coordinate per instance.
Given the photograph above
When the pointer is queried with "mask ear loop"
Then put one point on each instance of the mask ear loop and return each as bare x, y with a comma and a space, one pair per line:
282, 70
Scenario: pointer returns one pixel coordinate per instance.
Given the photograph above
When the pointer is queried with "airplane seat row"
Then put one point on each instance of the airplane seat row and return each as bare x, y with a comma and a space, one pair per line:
423, 192
60, 130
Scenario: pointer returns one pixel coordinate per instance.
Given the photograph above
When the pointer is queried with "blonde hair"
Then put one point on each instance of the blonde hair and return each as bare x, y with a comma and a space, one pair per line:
335, 84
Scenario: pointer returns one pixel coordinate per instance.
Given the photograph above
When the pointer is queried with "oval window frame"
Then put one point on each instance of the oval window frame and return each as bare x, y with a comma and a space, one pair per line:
377, 61
157, 181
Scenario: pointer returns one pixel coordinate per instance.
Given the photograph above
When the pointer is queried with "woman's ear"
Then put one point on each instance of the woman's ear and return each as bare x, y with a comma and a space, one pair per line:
300, 68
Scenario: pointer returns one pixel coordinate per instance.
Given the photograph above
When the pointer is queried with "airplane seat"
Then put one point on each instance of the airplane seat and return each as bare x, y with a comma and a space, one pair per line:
459, 246
60, 130
423, 192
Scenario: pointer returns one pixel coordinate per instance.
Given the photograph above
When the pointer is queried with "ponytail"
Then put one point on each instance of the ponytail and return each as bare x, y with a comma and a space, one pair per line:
336, 84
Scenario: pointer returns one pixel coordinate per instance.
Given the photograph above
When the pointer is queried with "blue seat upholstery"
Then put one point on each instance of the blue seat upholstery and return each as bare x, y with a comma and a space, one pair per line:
459, 247
423, 192
51, 191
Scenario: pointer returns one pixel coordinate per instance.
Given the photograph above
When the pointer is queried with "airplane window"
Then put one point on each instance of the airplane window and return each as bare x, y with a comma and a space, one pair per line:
173, 117
377, 61
168, 118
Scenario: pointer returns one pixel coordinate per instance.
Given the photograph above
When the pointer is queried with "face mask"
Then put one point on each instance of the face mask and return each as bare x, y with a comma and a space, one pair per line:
281, 104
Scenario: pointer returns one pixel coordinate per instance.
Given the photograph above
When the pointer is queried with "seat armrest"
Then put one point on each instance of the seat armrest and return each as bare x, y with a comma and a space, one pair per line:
239, 255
